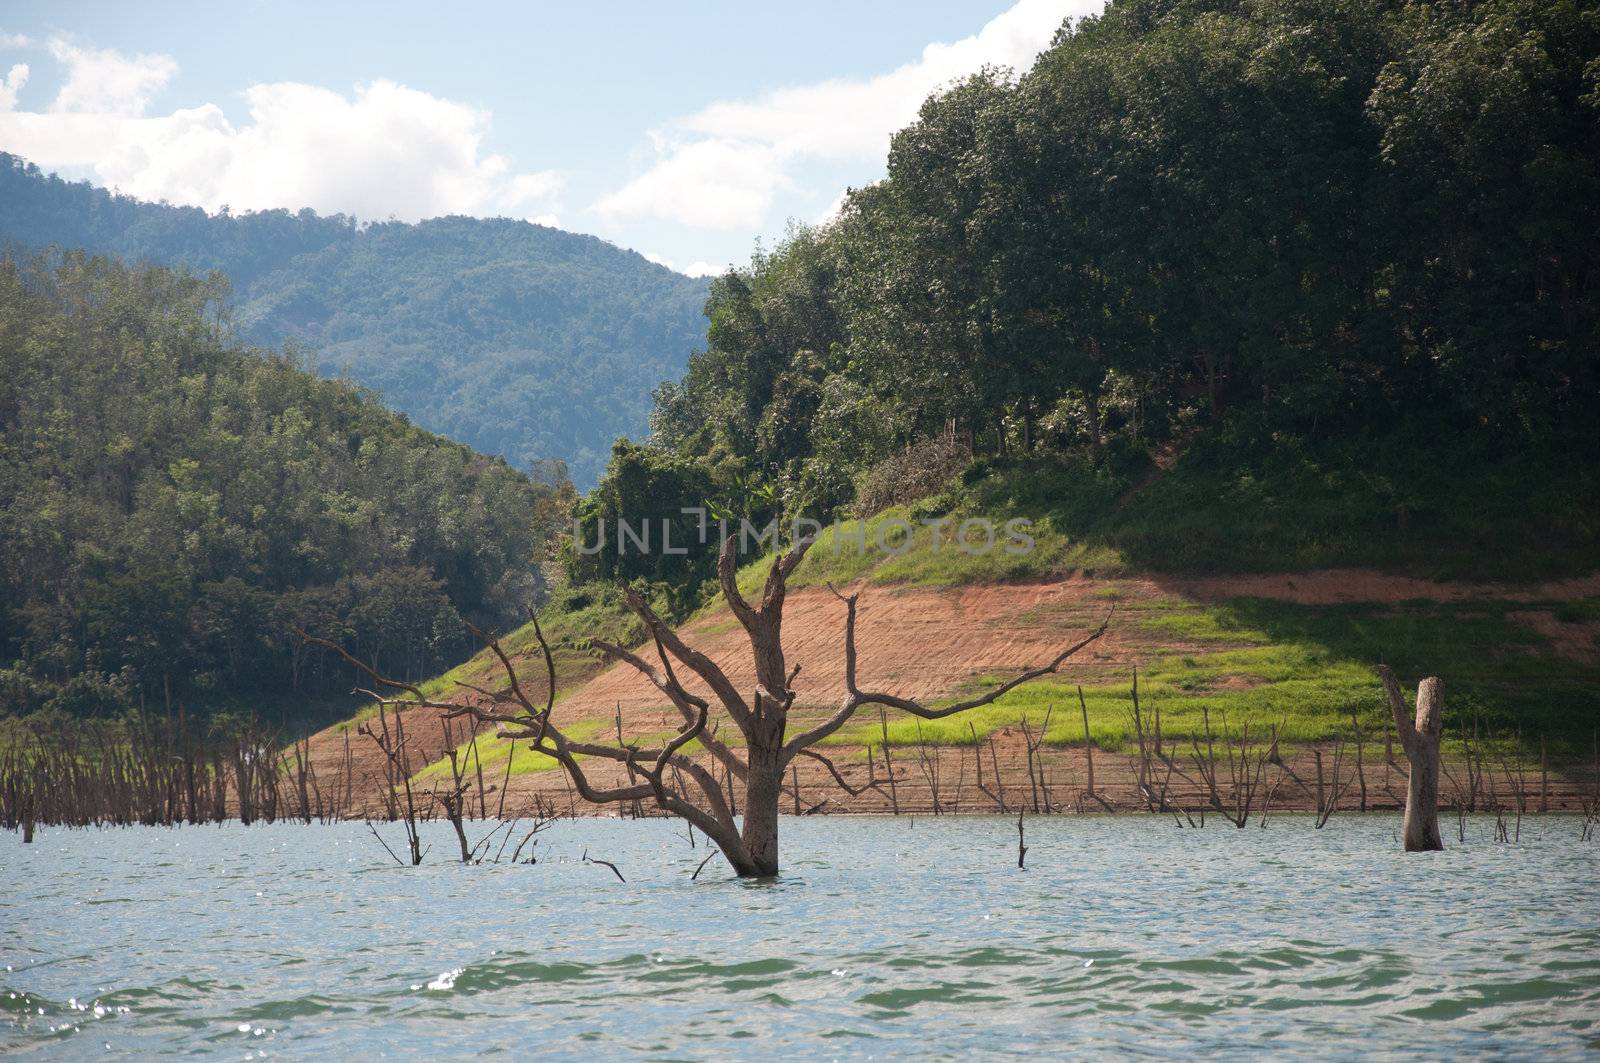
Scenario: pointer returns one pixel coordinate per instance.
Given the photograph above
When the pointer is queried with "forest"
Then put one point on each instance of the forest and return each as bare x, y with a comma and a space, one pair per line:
174, 503
517, 339
1219, 285
1212, 287
354, 572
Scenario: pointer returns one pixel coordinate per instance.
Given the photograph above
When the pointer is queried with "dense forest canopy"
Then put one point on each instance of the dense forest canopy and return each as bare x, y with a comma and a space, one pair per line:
1340, 253
516, 339
173, 505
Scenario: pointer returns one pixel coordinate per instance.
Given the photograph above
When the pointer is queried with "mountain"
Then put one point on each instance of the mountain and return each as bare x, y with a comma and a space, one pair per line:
173, 505
516, 339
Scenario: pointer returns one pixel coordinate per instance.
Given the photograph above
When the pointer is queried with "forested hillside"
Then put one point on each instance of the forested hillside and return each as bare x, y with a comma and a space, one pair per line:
173, 505
517, 339
1215, 285
1235, 301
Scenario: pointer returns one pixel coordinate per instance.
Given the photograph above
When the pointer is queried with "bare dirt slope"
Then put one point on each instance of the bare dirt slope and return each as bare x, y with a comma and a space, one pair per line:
915, 642
927, 643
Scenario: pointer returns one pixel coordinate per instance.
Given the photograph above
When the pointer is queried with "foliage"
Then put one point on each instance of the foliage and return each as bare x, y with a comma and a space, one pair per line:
649, 519
1306, 670
1330, 267
516, 339
914, 473
172, 506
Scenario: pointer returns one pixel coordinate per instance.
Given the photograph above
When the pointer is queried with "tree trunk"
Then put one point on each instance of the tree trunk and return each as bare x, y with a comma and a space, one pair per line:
763, 789
1097, 438
454, 814
1422, 792
1419, 739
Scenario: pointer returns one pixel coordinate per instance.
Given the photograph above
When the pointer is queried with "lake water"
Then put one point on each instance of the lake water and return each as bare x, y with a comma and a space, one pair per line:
886, 938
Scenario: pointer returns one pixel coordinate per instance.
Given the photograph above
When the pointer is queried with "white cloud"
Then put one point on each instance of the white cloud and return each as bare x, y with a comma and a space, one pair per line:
14, 80
693, 269
383, 150
721, 167
15, 40
833, 208
707, 183
534, 187
108, 82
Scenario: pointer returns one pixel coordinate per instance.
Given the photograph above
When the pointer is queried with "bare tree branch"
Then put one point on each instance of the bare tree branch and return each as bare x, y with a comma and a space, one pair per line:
696, 661
853, 791
685, 701
855, 698
751, 844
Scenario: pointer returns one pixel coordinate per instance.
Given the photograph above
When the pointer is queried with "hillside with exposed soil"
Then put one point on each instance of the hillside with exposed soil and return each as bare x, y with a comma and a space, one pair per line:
1291, 649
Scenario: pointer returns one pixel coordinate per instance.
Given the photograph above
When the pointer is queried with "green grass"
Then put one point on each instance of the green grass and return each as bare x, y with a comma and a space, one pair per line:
1305, 669
1233, 503
898, 547
493, 751
1582, 611
1228, 506
1236, 504
1443, 509
573, 616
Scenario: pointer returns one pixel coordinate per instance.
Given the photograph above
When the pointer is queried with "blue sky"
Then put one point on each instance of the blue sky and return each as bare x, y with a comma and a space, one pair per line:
683, 131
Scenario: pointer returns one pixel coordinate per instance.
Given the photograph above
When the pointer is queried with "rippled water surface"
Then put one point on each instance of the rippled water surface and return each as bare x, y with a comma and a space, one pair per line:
886, 938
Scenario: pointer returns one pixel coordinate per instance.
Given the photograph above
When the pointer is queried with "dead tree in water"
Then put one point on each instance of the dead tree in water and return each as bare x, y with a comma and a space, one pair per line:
1088, 752
1361, 774
1329, 792
453, 795
149, 770
1243, 778
397, 776
888, 764
1031, 744
929, 763
762, 717
1419, 740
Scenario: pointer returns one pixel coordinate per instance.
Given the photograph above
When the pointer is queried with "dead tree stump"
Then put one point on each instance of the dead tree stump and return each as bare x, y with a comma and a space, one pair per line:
1419, 740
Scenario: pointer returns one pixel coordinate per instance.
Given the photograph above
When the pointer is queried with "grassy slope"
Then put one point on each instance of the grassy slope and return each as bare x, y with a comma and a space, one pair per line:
1306, 669
569, 620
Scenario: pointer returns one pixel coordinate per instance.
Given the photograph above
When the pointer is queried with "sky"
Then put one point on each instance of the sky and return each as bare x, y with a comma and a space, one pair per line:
687, 132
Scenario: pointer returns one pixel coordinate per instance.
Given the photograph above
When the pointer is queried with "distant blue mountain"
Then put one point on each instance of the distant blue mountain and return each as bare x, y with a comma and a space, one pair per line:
514, 338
